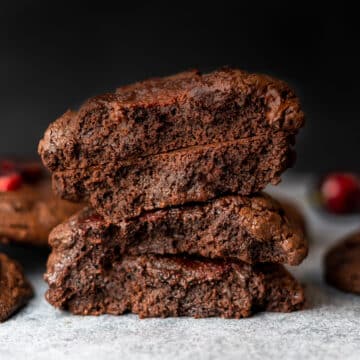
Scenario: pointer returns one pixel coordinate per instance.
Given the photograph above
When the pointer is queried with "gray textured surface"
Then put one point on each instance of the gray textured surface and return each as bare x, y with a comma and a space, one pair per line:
328, 329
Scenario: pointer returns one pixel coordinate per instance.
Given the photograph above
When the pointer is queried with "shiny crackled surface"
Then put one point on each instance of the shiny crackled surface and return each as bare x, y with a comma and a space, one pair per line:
252, 229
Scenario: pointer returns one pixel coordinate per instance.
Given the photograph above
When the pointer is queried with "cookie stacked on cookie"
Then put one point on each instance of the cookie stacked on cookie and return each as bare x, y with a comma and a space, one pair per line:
172, 170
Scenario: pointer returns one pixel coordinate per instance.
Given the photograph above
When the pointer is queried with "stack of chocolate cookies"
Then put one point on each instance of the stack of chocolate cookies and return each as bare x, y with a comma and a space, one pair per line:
172, 170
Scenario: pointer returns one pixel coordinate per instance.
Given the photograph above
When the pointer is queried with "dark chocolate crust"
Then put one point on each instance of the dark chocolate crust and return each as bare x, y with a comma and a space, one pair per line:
28, 214
122, 191
162, 115
252, 229
293, 211
94, 283
342, 264
15, 290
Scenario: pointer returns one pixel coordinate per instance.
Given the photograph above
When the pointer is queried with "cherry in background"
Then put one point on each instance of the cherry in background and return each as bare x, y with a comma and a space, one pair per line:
340, 193
14, 173
10, 182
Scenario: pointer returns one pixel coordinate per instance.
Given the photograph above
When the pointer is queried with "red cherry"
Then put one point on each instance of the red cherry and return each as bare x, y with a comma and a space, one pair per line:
10, 182
341, 193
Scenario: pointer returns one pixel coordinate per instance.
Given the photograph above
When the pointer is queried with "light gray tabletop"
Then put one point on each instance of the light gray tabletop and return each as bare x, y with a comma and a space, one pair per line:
328, 329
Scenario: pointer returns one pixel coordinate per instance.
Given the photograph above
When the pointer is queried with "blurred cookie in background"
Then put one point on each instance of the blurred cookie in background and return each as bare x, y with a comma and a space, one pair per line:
15, 290
342, 264
28, 208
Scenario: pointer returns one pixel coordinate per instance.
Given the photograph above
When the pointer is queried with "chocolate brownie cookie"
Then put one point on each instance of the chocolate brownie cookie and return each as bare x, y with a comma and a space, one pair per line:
124, 190
342, 264
293, 211
252, 229
15, 290
94, 282
162, 115
28, 209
